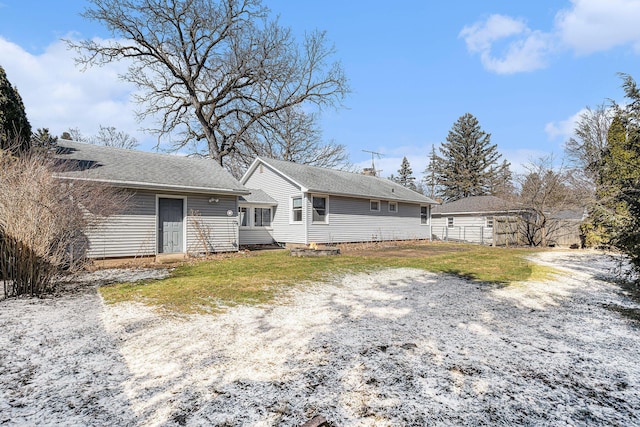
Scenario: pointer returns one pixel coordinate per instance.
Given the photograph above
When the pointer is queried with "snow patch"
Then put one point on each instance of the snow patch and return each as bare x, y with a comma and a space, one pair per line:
398, 347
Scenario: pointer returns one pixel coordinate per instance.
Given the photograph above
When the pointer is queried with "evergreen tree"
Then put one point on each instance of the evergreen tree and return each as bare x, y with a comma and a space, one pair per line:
15, 130
430, 182
619, 175
609, 212
42, 139
405, 175
468, 162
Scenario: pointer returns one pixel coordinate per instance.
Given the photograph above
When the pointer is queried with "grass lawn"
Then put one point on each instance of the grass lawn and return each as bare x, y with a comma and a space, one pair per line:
258, 277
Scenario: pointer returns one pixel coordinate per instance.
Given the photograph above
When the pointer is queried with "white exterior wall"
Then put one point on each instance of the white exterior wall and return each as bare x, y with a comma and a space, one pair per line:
281, 190
134, 232
351, 220
252, 234
468, 228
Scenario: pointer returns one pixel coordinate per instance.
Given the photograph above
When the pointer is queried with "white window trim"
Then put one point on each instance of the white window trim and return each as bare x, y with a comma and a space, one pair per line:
374, 210
487, 220
393, 204
326, 208
452, 222
248, 208
302, 199
428, 214
253, 217
251, 212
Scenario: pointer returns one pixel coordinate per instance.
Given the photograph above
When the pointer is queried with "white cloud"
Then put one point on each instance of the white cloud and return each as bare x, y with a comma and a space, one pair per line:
563, 128
596, 25
587, 26
58, 95
526, 49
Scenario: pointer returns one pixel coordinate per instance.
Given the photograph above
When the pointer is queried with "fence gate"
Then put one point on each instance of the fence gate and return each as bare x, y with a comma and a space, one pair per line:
505, 231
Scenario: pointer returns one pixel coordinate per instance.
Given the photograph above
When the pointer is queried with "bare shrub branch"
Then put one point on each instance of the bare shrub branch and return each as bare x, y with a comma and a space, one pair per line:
43, 220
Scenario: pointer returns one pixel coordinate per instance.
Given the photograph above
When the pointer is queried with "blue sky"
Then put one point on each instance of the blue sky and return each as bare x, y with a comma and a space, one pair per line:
525, 69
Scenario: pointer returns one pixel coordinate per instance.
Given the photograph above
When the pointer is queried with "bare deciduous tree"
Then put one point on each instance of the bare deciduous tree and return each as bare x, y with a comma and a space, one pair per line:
293, 136
108, 136
213, 71
545, 193
585, 150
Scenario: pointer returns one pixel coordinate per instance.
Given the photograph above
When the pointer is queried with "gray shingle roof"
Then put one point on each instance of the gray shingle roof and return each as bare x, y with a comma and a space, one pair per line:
258, 197
141, 169
329, 181
476, 204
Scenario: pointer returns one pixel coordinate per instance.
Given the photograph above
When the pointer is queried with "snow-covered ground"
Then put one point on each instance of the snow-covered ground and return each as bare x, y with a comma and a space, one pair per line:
400, 347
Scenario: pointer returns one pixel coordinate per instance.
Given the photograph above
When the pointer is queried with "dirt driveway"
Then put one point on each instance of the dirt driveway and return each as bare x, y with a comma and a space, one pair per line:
401, 347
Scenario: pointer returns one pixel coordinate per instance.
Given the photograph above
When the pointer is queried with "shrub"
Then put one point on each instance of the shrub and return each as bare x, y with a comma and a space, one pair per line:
43, 220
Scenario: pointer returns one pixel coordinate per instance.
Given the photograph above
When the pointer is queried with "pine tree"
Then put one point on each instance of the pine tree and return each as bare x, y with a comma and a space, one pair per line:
405, 175
468, 162
42, 139
430, 181
15, 130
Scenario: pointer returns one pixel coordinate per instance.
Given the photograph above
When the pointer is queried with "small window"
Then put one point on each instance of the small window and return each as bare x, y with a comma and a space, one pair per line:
393, 207
450, 222
244, 216
424, 214
319, 209
262, 217
374, 205
489, 222
296, 209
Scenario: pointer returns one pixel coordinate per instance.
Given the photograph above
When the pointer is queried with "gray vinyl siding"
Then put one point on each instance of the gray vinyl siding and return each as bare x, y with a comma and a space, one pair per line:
129, 234
351, 220
281, 190
468, 228
209, 228
133, 232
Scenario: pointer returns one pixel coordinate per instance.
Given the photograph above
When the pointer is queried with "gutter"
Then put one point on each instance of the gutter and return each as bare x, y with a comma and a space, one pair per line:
151, 186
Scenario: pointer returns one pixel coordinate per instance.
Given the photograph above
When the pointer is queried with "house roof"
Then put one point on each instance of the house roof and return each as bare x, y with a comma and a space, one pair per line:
329, 181
145, 170
577, 214
476, 204
258, 197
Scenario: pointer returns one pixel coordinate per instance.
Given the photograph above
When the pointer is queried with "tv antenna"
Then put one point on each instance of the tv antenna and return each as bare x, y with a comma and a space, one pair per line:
373, 166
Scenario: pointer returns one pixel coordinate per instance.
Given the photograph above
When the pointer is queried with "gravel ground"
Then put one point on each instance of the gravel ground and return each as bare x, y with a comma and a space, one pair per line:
398, 347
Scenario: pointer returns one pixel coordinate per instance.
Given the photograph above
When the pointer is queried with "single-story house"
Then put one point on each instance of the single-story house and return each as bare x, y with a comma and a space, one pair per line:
178, 204
308, 204
474, 219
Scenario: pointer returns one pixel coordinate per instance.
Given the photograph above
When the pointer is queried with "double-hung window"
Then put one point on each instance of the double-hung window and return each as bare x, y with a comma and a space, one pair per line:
374, 205
393, 207
296, 209
450, 222
319, 209
424, 214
